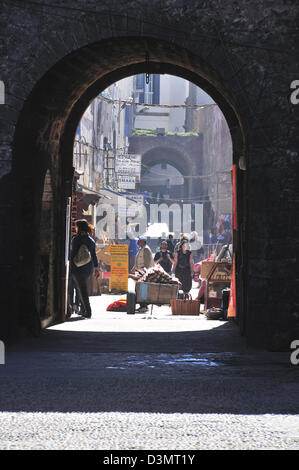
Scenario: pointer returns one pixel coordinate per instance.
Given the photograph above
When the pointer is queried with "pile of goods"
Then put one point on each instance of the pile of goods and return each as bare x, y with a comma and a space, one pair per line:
119, 305
155, 274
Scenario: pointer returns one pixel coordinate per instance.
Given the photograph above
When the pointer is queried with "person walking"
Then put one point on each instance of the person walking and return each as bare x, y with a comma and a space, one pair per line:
183, 266
164, 257
83, 261
195, 246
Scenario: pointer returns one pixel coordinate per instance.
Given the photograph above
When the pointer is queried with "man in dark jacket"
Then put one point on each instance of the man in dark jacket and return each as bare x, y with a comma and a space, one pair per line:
164, 257
81, 268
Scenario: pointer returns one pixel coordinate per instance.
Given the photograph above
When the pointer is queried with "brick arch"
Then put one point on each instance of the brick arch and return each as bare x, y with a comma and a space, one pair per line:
173, 156
168, 154
45, 134
235, 57
65, 91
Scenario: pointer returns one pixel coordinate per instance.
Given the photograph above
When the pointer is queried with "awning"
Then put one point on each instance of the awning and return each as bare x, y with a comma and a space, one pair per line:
86, 190
91, 196
111, 197
116, 197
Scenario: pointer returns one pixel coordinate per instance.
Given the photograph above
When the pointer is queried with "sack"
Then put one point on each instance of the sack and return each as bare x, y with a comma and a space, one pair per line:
119, 305
82, 257
185, 306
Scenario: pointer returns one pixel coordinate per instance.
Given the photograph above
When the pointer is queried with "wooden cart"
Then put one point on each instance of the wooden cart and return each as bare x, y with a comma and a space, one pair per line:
150, 293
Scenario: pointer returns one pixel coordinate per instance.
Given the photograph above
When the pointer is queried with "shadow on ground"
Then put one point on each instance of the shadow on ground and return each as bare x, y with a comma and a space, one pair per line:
225, 337
208, 371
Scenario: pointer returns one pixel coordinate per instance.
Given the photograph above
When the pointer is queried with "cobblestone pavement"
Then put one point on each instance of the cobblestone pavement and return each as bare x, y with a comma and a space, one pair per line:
121, 382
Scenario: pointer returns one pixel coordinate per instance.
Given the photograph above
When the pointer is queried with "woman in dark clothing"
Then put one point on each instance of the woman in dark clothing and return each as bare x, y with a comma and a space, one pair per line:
82, 270
183, 266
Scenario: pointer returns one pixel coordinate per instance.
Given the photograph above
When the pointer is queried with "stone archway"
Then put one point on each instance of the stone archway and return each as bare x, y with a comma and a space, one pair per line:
56, 57
44, 143
174, 151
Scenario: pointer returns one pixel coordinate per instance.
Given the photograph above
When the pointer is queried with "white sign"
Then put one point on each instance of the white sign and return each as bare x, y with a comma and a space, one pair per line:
138, 198
126, 182
128, 165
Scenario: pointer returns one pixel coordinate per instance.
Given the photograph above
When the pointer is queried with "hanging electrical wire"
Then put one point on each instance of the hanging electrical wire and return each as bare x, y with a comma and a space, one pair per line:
131, 102
196, 199
94, 147
163, 176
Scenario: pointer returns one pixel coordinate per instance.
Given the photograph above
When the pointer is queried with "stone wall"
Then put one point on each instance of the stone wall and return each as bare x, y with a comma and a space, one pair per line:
55, 57
217, 159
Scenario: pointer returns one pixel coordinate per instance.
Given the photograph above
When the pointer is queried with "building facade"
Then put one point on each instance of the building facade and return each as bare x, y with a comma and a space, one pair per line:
101, 135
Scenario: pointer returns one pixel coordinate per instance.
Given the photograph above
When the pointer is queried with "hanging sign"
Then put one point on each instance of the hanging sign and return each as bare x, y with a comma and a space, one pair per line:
128, 165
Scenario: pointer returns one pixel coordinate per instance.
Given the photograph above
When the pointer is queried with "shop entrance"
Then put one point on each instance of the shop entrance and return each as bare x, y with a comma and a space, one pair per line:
46, 132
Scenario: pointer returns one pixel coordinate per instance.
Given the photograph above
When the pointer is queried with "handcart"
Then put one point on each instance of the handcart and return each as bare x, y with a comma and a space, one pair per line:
150, 293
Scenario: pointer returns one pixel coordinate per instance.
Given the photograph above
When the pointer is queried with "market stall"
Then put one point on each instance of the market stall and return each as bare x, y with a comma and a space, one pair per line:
218, 278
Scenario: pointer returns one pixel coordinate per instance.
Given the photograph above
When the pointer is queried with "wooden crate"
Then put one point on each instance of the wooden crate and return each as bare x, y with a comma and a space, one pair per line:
206, 268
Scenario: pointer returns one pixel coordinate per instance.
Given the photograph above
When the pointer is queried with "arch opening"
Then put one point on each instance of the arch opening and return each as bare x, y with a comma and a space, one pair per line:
44, 144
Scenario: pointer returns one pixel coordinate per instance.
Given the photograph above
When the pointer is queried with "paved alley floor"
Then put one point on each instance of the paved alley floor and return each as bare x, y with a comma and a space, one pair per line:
130, 382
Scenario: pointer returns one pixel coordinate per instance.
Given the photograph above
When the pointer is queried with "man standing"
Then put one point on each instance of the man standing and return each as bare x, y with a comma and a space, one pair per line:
164, 257
144, 259
144, 256
84, 262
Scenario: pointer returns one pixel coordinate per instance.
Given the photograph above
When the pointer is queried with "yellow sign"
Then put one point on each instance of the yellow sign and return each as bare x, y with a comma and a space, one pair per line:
119, 267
